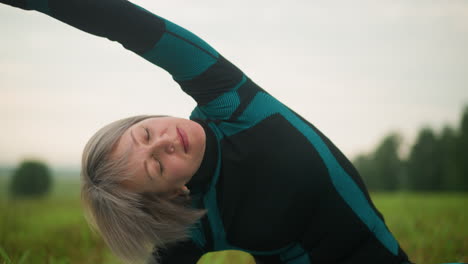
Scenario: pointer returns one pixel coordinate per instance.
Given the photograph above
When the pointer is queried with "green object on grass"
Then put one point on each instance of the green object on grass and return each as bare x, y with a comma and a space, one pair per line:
227, 257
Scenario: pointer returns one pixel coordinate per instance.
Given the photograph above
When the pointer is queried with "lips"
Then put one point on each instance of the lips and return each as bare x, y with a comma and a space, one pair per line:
184, 139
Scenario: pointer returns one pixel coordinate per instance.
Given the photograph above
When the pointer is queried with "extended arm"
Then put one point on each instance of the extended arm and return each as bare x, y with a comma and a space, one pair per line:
196, 66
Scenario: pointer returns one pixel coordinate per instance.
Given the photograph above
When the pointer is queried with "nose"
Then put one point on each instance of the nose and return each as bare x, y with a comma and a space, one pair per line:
163, 144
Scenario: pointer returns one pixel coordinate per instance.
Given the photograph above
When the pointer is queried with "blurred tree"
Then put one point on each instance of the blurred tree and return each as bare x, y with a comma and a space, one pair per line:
434, 163
382, 170
450, 170
425, 163
364, 164
31, 179
461, 152
388, 163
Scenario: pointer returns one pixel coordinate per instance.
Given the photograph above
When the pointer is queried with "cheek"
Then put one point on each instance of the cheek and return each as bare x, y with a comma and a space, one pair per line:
134, 184
139, 179
177, 169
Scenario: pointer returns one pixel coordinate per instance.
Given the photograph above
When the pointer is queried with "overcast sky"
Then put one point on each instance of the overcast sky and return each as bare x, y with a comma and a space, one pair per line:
355, 69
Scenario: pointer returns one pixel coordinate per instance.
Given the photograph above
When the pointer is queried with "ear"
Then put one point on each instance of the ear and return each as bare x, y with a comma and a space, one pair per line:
183, 191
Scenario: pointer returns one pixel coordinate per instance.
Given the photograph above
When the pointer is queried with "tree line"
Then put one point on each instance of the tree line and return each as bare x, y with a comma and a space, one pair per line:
436, 161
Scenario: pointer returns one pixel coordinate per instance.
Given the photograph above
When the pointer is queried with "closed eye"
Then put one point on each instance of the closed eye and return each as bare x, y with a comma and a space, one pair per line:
148, 136
161, 168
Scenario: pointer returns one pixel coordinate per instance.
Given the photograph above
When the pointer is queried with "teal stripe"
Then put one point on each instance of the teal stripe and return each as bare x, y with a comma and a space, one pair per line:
181, 59
197, 113
181, 53
253, 114
262, 106
224, 106
197, 235
295, 255
201, 48
39, 5
304, 259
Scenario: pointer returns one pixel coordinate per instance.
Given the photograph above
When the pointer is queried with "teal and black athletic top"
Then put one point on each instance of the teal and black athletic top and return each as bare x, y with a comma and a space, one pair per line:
273, 184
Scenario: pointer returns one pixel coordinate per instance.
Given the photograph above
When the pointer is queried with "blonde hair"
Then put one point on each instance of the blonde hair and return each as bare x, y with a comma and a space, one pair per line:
133, 225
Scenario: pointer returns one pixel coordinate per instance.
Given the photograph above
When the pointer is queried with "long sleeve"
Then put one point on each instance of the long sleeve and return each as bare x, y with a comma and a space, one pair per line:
197, 67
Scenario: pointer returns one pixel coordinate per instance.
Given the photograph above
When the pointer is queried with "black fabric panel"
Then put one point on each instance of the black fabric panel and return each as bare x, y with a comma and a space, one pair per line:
335, 231
346, 165
221, 77
269, 191
246, 93
118, 20
183, 252
275, 259
200, 181
16, 3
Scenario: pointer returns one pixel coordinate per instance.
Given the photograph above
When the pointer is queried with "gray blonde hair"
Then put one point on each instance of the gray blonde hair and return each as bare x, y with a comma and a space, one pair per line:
133, 225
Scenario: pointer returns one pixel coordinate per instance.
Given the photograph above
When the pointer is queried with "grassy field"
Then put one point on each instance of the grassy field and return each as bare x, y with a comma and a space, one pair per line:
50, 230
432, 228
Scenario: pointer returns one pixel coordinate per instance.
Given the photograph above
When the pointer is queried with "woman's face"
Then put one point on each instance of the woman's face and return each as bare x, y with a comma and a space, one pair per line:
163, 153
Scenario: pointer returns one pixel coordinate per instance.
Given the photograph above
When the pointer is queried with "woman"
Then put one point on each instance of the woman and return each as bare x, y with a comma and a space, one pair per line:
245, 172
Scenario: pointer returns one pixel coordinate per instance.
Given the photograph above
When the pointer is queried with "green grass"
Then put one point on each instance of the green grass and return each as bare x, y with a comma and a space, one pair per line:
50, 230
431, 228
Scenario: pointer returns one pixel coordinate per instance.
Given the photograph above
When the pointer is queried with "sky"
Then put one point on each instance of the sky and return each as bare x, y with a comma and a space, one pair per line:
357, 70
